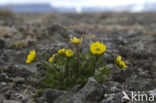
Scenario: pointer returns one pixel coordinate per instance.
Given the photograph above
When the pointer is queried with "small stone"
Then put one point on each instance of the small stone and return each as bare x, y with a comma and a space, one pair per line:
2, 98
19, 79
3, 83
2, 63
11, 84
41, 100
30, 101
2, 44
34, 81
22, 96
11, 101
4, 89
109, 66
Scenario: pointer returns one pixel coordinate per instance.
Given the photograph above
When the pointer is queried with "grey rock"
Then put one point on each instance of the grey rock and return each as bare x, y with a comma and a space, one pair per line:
153, 92
11, 101
68, 95
136, 83
30, 101
92, 92
111, 86
114, 98
108, 101
41, 100
51, 94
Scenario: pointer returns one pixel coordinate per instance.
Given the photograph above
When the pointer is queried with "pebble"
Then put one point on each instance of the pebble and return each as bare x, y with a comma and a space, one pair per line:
11, 101
30, 101
19, 79
2, 98
3, 84
2, 44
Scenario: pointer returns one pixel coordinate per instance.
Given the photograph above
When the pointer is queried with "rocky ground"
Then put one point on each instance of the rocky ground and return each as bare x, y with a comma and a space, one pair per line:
133, 36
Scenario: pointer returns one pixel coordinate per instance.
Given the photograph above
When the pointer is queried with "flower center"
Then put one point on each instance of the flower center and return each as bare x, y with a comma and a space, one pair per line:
97, 49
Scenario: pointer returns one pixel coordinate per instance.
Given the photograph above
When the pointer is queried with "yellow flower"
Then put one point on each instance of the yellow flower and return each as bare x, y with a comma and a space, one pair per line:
75, 40
97, 48
118, 59
122, 64
31, 56
61, 51
52, 58
69, 52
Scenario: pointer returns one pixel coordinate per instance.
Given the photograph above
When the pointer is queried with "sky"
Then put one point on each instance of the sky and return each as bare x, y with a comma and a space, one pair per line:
77, 2
3, 2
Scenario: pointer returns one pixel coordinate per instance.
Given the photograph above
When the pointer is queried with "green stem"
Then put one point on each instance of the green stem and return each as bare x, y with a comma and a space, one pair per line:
78, 59
67, 69
78, 53
94, 66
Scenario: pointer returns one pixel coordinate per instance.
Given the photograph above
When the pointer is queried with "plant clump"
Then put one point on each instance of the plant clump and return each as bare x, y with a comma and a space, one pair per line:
70, 67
